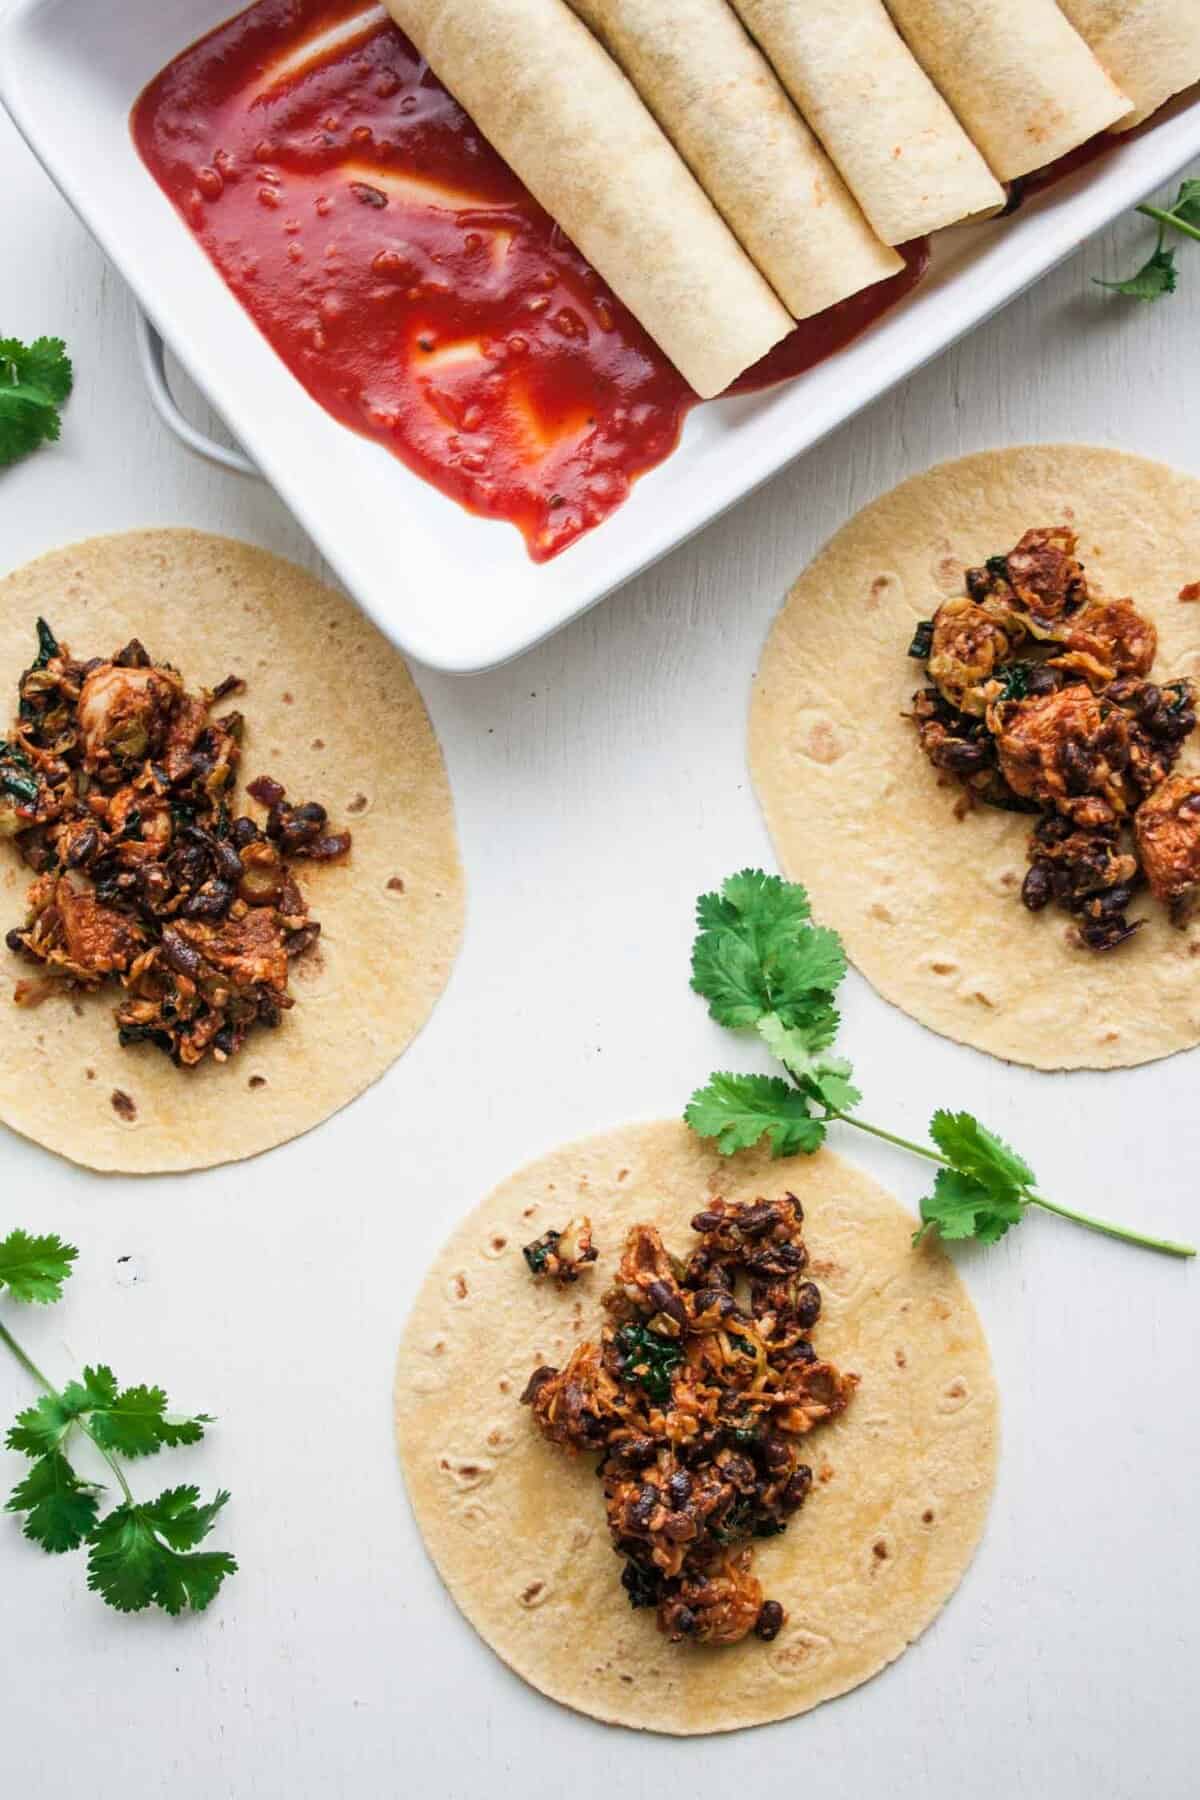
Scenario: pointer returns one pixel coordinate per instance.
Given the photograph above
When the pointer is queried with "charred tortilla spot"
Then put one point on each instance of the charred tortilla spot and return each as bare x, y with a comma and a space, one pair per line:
123, 1105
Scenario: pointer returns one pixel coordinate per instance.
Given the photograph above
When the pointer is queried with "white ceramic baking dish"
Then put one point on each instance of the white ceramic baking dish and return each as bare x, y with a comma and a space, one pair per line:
456, 592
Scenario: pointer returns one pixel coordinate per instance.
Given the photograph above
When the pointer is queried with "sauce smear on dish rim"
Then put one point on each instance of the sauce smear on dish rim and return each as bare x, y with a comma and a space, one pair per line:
411, 283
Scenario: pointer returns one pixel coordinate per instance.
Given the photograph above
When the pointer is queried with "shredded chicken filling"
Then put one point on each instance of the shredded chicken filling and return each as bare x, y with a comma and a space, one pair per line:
698, 1399
1040, 701
117, 790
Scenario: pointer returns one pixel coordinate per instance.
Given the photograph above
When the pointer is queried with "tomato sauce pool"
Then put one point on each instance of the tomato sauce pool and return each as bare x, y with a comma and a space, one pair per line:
411, 283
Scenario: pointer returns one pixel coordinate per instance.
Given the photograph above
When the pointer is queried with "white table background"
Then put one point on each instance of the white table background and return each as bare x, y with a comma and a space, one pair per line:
600, 785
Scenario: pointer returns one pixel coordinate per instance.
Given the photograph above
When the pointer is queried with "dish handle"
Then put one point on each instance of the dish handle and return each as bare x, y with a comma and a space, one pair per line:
154, 368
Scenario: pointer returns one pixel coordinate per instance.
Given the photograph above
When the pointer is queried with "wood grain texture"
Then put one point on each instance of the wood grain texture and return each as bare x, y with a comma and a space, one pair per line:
600, 785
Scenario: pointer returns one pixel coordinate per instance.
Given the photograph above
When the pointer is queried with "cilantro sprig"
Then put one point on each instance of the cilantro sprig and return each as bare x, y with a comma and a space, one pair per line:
142, 1553
35, 381
1158, 274
764, 966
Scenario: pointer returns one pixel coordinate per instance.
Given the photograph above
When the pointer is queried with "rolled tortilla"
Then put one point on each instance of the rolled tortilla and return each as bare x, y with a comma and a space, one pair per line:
1018, 75
717, 99
1151, 48
899, 149
563, 116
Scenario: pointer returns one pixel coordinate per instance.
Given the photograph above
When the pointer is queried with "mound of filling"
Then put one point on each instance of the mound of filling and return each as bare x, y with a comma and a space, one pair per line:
1040, 700
698, 1399
117, 790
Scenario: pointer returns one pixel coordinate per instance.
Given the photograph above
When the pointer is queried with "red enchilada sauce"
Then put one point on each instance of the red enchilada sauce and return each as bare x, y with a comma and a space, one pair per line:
410, 282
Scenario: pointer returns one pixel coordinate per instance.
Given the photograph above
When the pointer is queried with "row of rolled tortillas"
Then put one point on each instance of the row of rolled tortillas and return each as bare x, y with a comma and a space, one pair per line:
730, 166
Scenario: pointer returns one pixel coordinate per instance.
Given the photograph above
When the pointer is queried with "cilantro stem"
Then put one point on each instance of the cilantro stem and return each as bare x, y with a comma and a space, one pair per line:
889, 1137
1166, 1246
43, 1381
1162, 217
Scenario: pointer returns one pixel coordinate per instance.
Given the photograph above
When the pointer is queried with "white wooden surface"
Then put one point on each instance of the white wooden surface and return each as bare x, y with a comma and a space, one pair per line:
600, 785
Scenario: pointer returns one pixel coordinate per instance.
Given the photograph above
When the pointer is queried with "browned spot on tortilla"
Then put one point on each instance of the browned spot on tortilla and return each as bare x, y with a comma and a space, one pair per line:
956, 1390
823, 744
257, 1081
505, 1385
879, 1550
825, 1472
883, 913
949, 572
983, 999
358, 804
460, 1286
77, 1009
498, 1243
1191, 591
901, 1360
943, 968
90, 1073
927, 1516
122, 1104
877, 590
622, 1174
395, 885
318, 743
286, 698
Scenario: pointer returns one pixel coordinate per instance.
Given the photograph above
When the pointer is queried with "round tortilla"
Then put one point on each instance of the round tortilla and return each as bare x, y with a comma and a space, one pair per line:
331, 711
928, 903
517, 1529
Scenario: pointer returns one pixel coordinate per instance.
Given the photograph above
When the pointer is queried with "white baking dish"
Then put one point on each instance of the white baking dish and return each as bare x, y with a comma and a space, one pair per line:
456, 592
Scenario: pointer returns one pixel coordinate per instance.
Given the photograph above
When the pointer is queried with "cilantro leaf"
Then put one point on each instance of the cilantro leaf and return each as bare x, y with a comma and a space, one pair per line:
42, 1427
1187, 205
130, 1421
978, 1152
60, 1510
757, 952
35, 380
35, 1268
727, 971
963, 1207
740, 1110
825, 1078
1156, 277
138, 1558
765, 908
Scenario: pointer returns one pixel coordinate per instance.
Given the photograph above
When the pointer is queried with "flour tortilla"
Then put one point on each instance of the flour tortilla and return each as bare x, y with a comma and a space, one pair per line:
1151, 48
900, 150
1020, 78
928, 904
331, 711
517, 1528
717, 99
562, 115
